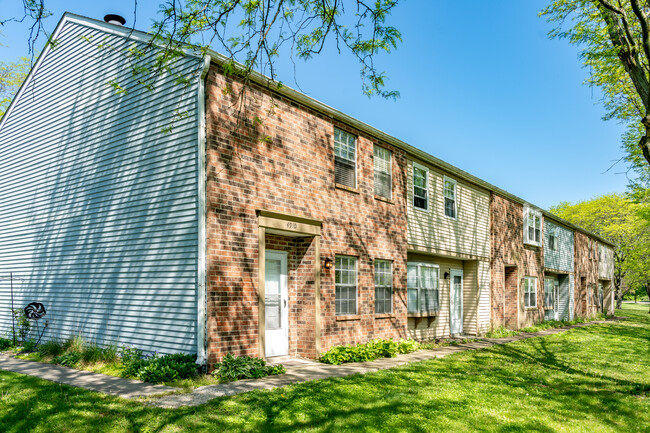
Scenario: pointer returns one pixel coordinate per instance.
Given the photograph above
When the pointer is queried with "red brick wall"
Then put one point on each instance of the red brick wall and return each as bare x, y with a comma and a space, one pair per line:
586, 273
292, 171
508, 250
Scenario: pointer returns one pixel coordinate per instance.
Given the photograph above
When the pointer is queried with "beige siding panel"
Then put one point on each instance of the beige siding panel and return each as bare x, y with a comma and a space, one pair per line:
605, 262
484, 300
469, 233
470, 297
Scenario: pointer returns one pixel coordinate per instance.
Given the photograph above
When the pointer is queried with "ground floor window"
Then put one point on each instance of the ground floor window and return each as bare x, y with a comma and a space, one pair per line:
345, 278
383, 286
530, 292
422, 285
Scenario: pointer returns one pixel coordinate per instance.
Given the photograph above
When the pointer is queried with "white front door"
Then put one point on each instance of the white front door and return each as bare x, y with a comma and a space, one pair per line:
276, 298
456, 302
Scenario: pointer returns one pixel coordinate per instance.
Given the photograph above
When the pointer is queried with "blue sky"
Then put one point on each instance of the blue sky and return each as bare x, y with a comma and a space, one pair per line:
482, 87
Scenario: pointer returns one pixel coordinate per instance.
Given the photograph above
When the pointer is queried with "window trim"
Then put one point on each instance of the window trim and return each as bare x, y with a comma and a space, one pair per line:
444, 197
426, 183
356, 285
390, 286
356, 153
526, 287
390, 171
528, 212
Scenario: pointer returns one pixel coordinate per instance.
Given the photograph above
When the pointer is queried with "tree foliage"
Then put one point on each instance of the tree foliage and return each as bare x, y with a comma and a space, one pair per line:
614, 38
12, 76
256, 33
623, 222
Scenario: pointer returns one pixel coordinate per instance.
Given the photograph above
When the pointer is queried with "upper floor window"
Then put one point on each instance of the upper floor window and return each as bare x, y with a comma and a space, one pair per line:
383, 286
532, 226
345, 279
422, 286
450, 198
345, 158
420, 182
383, 172
530, 292
552, 239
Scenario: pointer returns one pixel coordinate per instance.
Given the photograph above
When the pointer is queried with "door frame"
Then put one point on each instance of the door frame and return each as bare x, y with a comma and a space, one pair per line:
452, 273
284, 294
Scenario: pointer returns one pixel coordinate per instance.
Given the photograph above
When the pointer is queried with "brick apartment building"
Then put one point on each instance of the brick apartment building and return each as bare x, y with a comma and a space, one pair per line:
282, 228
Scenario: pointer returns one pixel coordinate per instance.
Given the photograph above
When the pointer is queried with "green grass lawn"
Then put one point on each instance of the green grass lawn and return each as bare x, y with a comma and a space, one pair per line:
584, 380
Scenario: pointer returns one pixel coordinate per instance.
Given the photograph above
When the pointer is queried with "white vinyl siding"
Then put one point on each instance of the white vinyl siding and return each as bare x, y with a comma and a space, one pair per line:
382, 159
98, 205
530, 292
420, 187
422, 283
605, 262
561, 257
345, 277
450, 198
345, 158
532, 226
469, 233
383, 286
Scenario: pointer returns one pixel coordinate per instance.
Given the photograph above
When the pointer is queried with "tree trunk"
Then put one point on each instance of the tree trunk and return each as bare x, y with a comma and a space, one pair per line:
644, 143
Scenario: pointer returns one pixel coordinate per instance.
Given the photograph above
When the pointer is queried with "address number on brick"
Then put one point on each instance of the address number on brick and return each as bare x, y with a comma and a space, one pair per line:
291, 225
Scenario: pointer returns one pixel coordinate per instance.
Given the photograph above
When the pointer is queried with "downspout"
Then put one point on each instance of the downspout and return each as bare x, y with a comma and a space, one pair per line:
201, 341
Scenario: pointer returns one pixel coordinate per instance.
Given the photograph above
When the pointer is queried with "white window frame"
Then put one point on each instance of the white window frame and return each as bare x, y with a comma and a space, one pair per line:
444, 195
388, 286
419, 266
527, 290
354, 161
389, 172
338, 269
426, 183
530, 213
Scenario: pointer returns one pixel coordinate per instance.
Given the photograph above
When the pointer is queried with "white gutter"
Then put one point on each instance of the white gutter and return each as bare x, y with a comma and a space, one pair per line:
202, 271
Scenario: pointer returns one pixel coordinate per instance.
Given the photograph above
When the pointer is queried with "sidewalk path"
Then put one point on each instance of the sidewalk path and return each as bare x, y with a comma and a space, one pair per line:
315, 371
297, 373
83, 379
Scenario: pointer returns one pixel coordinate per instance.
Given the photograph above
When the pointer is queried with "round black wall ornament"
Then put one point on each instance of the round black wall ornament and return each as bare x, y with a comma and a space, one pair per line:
35, 310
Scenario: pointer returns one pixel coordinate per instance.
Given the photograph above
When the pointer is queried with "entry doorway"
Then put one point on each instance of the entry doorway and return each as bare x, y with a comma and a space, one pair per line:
456, 302
276, 300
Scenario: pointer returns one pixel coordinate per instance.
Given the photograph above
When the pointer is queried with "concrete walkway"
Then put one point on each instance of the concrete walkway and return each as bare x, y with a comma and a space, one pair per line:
83, 379
295, 373
316, 371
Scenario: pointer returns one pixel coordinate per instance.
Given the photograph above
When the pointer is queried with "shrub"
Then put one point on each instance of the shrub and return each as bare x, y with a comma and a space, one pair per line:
29, 345
50, 348
245, 367
6, 343
369, 351
68, 359
154, 368
22, 323
93, 353
75, 343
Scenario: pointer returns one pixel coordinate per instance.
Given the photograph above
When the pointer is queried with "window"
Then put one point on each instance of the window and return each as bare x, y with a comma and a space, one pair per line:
530, 292
383, 172
549, 285
345, 278
552, 239
450, 198
532, 226
422, 285
383, 286
420, 182
345, 158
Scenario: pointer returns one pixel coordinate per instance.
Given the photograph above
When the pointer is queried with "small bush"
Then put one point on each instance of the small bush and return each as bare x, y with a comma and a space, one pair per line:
29, 345
369, 351
245, 367
68, 359
50, 348
6, 343
75, 344
154, 368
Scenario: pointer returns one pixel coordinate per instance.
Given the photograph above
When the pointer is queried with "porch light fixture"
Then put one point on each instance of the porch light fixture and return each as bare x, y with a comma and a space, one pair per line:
446, 275
328, 263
